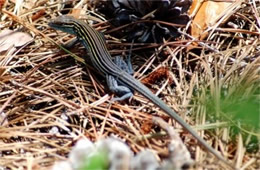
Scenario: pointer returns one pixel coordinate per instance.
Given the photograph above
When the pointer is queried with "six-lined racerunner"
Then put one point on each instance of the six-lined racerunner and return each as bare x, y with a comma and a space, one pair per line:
118, 78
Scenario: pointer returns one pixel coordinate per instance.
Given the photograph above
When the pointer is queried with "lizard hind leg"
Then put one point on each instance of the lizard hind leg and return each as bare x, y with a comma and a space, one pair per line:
123, 91
115, 86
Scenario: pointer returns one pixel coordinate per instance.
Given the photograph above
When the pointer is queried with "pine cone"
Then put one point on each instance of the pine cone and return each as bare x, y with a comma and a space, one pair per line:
144, 14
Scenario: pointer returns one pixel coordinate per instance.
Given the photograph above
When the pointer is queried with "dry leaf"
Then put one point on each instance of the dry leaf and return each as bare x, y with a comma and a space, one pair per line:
76, 12
156, 75
147, 126
38, 14
207, 15
9, 39
2, 2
